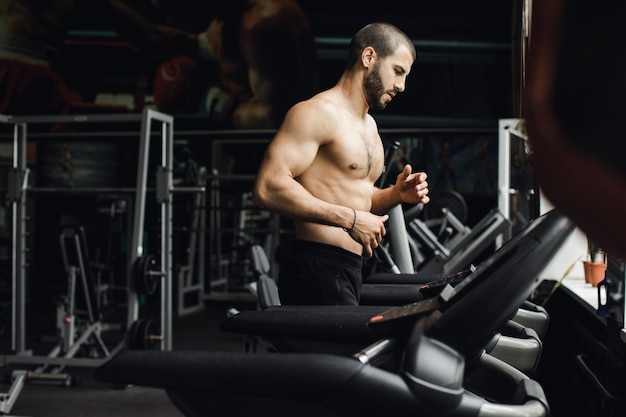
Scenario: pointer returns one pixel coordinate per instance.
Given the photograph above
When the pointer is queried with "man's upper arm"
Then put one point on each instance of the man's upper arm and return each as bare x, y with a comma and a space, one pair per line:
290, 153
296, 143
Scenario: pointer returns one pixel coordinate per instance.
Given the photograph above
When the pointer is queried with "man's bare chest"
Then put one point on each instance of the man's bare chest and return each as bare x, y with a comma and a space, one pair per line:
360, 153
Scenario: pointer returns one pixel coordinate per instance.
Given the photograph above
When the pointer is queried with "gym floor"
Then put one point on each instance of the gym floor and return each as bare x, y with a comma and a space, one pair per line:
90, 398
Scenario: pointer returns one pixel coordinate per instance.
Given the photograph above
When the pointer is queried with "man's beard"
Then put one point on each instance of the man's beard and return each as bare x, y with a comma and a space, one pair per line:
374, 90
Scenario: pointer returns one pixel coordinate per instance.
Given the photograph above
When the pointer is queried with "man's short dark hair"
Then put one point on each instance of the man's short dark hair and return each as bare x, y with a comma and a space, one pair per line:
385, 38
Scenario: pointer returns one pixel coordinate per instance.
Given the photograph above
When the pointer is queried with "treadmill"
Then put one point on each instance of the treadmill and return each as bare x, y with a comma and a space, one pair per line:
442, 367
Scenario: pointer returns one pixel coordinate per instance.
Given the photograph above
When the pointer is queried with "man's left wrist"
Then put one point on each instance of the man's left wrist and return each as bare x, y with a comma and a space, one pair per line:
398, 198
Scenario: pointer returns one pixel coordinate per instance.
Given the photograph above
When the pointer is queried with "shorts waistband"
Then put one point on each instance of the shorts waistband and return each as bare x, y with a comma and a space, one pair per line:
330, 252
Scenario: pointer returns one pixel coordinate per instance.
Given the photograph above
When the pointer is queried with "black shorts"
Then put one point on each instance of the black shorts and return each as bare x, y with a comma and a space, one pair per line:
319, 274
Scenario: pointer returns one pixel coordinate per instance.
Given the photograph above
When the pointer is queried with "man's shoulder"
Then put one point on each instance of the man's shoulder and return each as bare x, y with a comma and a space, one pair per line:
325, 101
319, 115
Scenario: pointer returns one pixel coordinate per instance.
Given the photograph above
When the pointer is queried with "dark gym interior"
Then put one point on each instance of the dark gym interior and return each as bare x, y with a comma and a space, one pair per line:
92, 201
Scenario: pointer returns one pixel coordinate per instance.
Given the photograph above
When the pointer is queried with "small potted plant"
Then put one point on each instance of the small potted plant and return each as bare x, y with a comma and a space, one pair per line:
595, 264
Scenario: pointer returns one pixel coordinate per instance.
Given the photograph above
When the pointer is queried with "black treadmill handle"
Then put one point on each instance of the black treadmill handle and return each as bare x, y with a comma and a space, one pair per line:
533, 400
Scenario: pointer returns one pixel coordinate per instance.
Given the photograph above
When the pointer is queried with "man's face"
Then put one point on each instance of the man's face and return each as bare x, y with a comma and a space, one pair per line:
387, 78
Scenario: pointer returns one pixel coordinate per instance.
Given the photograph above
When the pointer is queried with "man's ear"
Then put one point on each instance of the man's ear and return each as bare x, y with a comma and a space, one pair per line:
368, 56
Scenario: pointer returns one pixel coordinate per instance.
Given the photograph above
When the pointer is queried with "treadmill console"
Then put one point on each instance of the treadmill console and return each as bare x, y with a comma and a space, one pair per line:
425, 305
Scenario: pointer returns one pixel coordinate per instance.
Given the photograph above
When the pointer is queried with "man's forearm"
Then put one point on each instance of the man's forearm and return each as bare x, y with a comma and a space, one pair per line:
385, 199
300, 205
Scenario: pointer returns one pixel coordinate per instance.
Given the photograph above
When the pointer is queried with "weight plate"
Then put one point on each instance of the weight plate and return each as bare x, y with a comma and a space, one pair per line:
147, 274
143, 334
149, 334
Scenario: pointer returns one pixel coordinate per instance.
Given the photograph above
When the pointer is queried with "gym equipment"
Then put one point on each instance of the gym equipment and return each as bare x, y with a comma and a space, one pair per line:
78, 321
398, 236
434, 257
113, 220
75, 330
191, 276
529, 322
143, 335
398, 289
517, 344
19, 186
442, 368
517, 199
446, 215
388, 289
534, 316
492, 226
266, 289
232, 232
412, 246
445, 201
147, 274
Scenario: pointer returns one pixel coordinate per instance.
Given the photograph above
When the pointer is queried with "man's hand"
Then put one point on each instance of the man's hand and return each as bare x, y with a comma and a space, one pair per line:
413, 187
369, 229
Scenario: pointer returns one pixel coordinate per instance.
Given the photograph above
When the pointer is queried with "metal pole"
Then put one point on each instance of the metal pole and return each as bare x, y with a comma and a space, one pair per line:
399, 240
136, 244
18, 342
167, 156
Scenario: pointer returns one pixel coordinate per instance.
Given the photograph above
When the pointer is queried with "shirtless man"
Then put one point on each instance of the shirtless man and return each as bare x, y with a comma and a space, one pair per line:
321, 167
